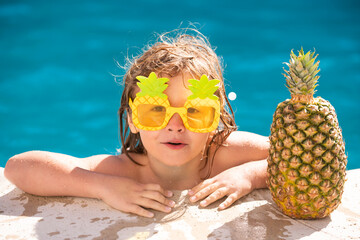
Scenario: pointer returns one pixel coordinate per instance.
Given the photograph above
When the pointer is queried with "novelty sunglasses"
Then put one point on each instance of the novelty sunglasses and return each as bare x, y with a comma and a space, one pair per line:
151, 109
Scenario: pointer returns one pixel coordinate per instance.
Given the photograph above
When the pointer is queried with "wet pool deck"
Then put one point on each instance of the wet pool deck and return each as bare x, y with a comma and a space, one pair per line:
24, 216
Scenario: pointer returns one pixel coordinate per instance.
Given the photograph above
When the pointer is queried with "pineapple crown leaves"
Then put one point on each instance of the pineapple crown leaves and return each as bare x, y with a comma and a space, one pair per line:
203, 88
301, 78
152, 86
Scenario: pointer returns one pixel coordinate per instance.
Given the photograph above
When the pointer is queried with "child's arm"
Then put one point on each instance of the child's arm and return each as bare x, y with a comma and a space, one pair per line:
239, 168
53, 174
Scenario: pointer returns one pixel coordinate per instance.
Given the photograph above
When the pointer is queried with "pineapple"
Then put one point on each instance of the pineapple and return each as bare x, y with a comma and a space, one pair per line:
152, 86
307, 161
203, 88
203, 95
151, 92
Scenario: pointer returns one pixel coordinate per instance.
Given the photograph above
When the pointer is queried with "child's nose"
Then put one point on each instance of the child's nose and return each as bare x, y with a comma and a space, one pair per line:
175, 124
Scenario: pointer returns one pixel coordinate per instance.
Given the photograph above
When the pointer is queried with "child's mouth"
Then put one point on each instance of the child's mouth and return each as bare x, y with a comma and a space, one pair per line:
175, 145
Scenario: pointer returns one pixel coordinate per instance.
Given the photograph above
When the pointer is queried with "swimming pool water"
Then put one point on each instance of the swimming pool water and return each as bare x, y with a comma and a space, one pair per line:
57, 92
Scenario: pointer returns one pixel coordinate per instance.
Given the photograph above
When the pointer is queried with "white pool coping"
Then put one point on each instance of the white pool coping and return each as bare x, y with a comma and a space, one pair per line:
24, 216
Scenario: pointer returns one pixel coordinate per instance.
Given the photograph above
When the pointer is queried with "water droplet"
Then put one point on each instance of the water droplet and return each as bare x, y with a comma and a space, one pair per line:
232, 96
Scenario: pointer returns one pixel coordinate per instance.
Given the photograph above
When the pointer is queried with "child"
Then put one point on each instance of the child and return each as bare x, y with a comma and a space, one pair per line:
177, 131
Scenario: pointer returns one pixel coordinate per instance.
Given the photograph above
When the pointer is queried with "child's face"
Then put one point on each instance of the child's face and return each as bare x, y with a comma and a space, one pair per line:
174, 145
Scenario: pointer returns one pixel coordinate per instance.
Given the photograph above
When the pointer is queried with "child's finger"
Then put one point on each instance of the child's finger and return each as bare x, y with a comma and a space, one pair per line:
159, 197
158, 188
149, 203
216, 195
200, 186
229, 201
135, 209
205, 192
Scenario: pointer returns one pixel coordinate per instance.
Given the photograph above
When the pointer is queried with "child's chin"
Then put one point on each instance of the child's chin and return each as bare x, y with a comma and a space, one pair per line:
174, 163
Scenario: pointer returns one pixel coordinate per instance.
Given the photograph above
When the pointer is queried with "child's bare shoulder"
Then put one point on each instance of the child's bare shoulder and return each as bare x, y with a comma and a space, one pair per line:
119, 165
247, 139
241, 147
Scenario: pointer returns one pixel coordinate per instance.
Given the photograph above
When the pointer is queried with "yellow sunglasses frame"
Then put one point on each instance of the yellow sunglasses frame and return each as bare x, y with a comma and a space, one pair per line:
170, 111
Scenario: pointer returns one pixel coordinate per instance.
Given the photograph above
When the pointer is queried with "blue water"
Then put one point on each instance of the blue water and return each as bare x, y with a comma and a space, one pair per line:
57, 92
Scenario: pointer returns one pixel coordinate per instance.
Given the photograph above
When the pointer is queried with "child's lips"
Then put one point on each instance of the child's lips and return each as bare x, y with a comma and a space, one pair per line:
174, 145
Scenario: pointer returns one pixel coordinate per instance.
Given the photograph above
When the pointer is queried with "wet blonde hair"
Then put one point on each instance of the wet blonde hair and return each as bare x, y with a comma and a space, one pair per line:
175, 53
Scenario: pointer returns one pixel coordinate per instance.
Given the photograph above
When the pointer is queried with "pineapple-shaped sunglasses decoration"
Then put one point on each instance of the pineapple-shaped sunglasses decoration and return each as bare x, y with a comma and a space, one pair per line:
307, 161
151, 109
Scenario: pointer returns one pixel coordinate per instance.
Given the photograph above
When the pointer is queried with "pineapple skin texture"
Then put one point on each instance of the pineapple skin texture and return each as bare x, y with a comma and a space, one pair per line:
307, 160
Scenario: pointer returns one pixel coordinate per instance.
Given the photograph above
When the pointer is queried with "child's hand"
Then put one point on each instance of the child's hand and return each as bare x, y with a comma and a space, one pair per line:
129, 196
234, 183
